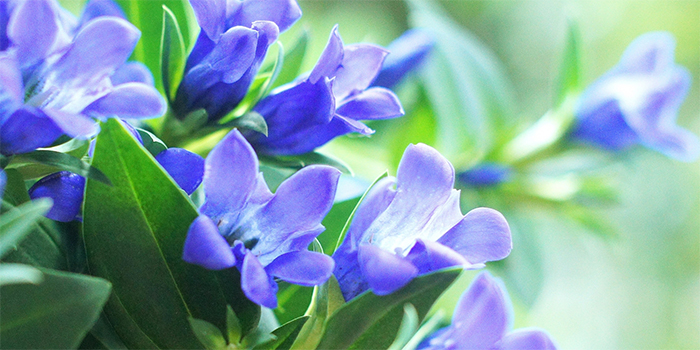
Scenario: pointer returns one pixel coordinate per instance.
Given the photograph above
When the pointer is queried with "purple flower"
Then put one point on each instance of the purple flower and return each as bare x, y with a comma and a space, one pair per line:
406, 53
486, 174
483, 319
3, 180
53, 82
264, 235
231, 46
637, 102
330, 102
411, 225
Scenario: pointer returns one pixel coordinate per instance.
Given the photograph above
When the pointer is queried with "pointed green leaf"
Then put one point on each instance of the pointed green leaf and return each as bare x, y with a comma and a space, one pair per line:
302, 160
151, 142
293, 60
284, 335
327, 298
409, 326
54, 314
570, 78
250, 121
274, 73
208, 334
17, 223
15, 188
172, 54
61, 161
371, 322
233, 326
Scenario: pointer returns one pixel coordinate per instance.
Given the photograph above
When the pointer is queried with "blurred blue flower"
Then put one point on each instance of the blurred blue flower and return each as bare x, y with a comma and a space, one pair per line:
637, 102
3, 180
411, 225
483, 319
264, 235
231, 46
55, 76
406, 53
485, 174
330, 102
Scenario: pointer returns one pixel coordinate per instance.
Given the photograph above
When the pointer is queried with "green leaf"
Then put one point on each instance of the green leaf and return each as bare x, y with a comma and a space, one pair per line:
284, 335
61, 161
19, 273
371, 322
327, 298
151, 142
302, 160
293, 60
409, 326
146, 215
250, 121
172, 54
17, 223
15, 188
54, 314
208, 334
274, 74
570, 79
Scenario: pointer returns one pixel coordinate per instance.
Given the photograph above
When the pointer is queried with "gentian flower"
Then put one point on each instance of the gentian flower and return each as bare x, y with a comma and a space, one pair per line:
231, 46
485, 175
637, 102
483, 319
3, 180
330, 102
411, 225
406, 53
264, 235
53, 83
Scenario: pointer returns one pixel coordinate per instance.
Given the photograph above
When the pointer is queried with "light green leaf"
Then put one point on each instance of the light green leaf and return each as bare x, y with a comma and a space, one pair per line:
19, 273
54, 314
293, 60
327, 298
284, 335
17, 223
409, 326
172, 54
250, 121
60, 161
370, 321
302, 160
233, 326
570, 78
208, 334
274, 73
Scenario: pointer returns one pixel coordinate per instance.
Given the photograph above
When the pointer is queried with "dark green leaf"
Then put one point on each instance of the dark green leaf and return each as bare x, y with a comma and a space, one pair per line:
570, 78
208, 334
151, 142
293, 60
17, 223
54, 314
172, 54
15, 188
62, 161
302, 160
146, 215
250, 121
327, 298
284, 335
371, 322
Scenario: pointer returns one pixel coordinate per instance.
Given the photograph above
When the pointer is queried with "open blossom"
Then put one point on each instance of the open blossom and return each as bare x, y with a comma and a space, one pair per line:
330, 102
411, 225
264, 235
637, 102
483, 319
56, 75
233, 42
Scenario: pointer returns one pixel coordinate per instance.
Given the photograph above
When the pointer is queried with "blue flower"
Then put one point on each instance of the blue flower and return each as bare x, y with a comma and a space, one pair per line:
3, 180
264, 235
406, 53
231, 46
55, 76
637, 102
483, 319
411, 225
485, 174
330, 102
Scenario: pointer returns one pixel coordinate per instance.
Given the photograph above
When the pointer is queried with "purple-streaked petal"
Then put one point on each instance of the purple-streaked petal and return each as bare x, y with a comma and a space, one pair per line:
282, 12
647, 53
129, 100
97, 8
406, 53
483, 314
230, 175
257, 285
302, 267
65, 189
73, 125
211, 16
429, 256
373, 103
98, 49
11, 78
132, 72
26, 130
360, 65
482, 235
204, 246
385, 272
185, 167
33, 29
526, 339
330, 60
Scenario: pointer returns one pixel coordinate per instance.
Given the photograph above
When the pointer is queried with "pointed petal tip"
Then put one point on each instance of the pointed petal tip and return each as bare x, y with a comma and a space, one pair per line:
204, 246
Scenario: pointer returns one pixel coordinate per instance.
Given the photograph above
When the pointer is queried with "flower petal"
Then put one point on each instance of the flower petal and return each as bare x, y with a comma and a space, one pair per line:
132, 72
204, 246
5, 10
526, 339
647, 53
603, 126
11, 78
185, 167
360, 65
3, 180
483, 314
282, 12
230, 175
97, 8
406, 53
257, 285
129, 100
430, 256
65, 189
27, 129
302, 267
375, 203
330, 60
211, 16
385, 272
33, 29
73, 125
482, 235
373, 103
